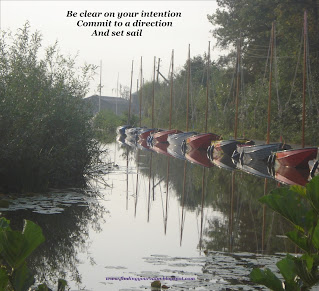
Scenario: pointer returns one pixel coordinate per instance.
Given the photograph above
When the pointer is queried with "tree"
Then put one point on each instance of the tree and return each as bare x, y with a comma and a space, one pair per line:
46, 136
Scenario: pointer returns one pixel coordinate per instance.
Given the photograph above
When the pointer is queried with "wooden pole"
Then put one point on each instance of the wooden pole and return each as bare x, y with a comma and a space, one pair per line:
270, 81
207, 86
158, 67
304, 80
171, 92
237, 88
188, 81
129, 108
100, 85
141, 93
153, 93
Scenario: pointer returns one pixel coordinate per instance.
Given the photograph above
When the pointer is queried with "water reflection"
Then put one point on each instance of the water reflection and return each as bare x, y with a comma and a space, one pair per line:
155, 206
66, 231
227, 204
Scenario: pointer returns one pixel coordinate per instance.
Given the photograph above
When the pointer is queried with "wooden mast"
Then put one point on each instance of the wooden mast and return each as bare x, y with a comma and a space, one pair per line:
304, 81
270, 80
237, 88
141, 93
153, 93
100, 85
185, 163
207, 86
188, 81
129, 108
171, 92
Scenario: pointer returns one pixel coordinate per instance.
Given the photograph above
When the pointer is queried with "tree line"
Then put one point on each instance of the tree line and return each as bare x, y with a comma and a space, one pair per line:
249, 22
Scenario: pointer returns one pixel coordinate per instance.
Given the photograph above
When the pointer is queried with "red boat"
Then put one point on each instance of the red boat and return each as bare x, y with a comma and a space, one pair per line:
201, 141
296, 157
199, 157
162, 136
161, 148
146, 133
292, 176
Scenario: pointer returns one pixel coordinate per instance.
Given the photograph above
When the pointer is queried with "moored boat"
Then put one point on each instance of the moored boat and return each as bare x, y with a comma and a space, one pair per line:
295, 157
291, 176
220, 147
314, 167
224, 162
144, 134
255, 167
161, 148
257, 152
176, 152
201, 141
121, 129
178, 138
198, 157
162, 135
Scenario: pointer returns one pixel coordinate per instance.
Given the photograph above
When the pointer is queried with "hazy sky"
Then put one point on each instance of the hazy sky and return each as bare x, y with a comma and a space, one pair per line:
117, 52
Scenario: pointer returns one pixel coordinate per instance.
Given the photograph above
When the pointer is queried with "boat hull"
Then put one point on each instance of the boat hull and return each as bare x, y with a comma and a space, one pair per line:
258, 152
227, 147
292, 176
163, 135
178, 138
199, 157
201, 141
144, 134
296, 157
121, 129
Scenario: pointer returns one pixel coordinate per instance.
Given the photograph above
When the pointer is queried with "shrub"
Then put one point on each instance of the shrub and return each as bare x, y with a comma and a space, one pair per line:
46, 136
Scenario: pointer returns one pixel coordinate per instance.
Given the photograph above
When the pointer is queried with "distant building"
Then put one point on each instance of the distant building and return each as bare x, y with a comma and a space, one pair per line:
116, 104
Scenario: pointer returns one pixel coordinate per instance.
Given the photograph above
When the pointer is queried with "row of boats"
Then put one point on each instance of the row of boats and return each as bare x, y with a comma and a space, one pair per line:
275, 160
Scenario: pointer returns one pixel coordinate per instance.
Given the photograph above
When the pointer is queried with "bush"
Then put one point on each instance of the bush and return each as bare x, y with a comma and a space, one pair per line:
46, 137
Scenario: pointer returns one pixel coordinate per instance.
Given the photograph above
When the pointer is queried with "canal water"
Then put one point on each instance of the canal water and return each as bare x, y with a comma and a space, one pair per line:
149, 216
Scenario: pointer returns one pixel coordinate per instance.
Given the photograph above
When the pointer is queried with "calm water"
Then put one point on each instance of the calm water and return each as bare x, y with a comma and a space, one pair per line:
138, 222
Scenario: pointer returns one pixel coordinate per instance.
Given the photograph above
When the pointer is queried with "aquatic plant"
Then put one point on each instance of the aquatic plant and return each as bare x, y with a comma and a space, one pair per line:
300, 206
15, 248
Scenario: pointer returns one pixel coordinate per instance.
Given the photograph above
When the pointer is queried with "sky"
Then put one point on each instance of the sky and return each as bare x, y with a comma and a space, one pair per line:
53, 19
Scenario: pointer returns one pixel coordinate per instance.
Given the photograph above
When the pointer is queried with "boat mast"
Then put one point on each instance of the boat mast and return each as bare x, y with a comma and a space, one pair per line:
100, 85
141, 93
129, 108
237, 88
304, 81
188, 81
270, 80
171, 92
153, 93
207, 86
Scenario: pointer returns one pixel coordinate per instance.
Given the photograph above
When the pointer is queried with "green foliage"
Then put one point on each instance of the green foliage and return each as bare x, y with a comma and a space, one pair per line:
252, 21
46, 136
299, 205
15, 248
107, 121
